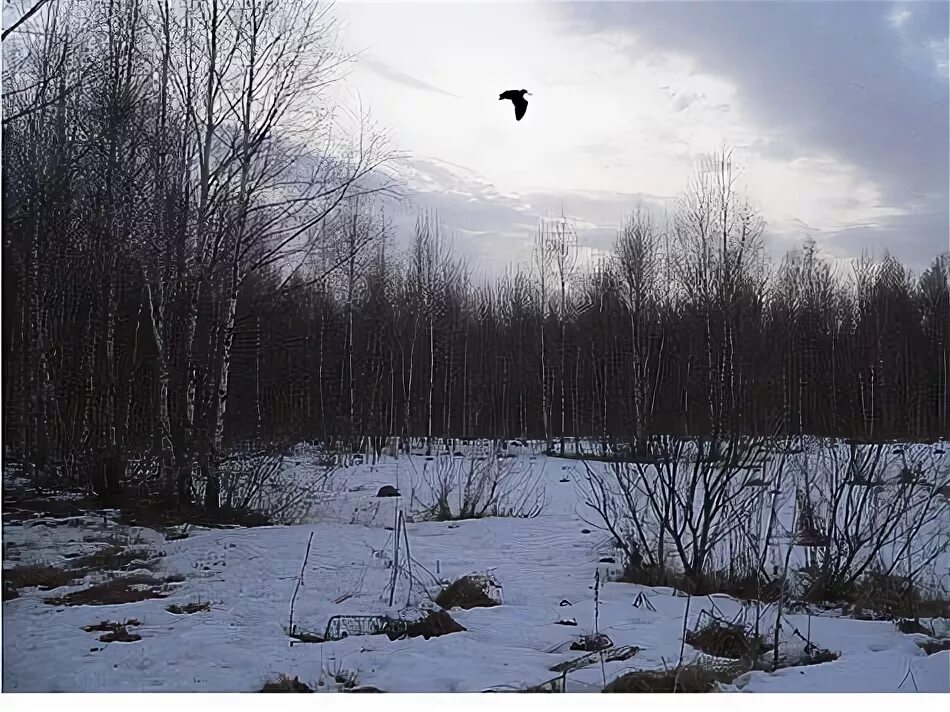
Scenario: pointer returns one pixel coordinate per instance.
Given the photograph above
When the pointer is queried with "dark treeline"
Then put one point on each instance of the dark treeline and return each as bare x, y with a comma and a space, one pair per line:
192, 258
657, 338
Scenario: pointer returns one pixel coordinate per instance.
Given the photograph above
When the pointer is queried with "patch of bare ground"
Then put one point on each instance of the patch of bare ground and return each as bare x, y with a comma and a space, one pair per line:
745, 587
188, 608
811, 655
43, 577
164, 516
21, 508
283, 683
116, 558
115, 632
911, 626
878, 596
685, 678
932, 647
129, 589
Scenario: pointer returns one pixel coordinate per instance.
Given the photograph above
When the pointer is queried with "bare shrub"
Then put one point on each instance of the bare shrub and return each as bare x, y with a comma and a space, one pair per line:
472, 488
668, 517
260, 481
872, 536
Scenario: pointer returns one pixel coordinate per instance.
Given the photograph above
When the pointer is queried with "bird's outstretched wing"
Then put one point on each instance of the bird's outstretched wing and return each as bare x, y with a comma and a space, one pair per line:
521, 106
510, 94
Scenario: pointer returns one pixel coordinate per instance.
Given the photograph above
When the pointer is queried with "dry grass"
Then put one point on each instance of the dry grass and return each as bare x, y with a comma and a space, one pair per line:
45, 578
189, 608
910, 626
283, 683
592, 643
932, 647
307, 637
468, 592
105, 626
129, 589
878, 597
162, 516
115, 632
435, 624
812, 655
727, 640
687, 678
745, 587
115, 558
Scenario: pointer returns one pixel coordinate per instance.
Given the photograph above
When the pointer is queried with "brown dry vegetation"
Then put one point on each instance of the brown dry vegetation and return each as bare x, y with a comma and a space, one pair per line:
129, 589
188, 608
725, 640
283, 683
43, 577
467, 592
686, 678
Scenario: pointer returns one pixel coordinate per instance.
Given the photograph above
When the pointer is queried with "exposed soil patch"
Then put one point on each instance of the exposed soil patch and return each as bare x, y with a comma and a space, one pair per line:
592, 643
812, 655
910, 627
130, 589
45, 578
16, 509
115, 632
932, 647
285, 684
120, 635
878, 597
188, 608
115, 558
106, 626
161, 516
746, 588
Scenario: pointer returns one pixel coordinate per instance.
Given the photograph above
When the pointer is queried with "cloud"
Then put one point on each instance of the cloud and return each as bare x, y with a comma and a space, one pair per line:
940, 53
899, 16
846, 137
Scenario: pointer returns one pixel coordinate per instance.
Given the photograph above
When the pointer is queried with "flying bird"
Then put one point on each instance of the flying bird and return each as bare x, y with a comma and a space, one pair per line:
517, 98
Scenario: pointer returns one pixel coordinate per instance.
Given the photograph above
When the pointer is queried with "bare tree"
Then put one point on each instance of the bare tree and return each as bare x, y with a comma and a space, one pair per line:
637, 255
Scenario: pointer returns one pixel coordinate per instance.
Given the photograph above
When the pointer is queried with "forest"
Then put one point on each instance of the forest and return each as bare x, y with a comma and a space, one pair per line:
197, 258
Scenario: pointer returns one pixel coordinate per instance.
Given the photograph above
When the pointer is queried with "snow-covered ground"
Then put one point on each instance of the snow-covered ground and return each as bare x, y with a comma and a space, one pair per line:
249, 576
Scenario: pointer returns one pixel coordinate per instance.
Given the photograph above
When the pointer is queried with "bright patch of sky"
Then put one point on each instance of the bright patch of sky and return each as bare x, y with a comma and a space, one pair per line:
837, 112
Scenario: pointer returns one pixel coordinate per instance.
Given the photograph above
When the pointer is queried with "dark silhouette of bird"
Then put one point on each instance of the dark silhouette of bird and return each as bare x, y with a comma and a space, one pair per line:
517, 98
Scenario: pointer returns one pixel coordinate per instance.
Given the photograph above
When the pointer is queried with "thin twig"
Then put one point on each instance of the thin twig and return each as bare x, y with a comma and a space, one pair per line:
293, 600
685, 622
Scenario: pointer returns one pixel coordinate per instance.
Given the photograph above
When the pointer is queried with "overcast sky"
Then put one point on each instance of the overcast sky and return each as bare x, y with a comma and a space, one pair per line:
838, 113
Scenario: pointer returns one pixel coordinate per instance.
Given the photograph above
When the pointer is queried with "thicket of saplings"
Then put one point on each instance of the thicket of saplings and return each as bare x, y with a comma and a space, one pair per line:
863, 526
